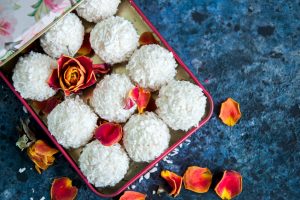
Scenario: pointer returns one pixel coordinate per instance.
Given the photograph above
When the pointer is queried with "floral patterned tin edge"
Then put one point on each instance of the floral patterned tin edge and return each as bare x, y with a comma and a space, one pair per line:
22, 21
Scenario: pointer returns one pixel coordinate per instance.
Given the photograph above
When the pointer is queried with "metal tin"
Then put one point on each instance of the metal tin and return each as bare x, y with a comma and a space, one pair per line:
136, 174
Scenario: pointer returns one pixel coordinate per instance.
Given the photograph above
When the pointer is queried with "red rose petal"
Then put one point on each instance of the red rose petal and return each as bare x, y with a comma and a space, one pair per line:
138, 96
131, 195
197, 179
148, 38
109, 133
230, 185
62, 189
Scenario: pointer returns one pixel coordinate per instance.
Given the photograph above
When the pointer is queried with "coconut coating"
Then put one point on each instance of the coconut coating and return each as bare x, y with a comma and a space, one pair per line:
109, 97
103, 165
65, 37
31, 74
181, 104
145, 137
72, 123
114, 39
151, 66
97, 10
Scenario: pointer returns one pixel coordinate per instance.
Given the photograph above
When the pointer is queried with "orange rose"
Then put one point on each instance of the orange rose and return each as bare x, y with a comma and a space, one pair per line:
75, 74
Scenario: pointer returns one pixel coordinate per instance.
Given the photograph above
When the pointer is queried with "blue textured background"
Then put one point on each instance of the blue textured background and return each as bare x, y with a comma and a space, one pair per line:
245, 49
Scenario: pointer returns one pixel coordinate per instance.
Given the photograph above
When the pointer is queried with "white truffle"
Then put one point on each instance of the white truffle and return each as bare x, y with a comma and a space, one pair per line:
181, 104
97, 10
31, 75
114, 39
151, 66
65, 37
72, 123
103, 165
145, 137
109, 98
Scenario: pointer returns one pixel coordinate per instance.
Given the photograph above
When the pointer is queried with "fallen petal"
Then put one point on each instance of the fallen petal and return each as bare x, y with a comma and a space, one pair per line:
230, 185
44, 149
109, 133
101, 68
131, 195
230, 112
173, 180
197, 179
62, 189
45, 107
148, 38
85, 48
132, 97
143, 99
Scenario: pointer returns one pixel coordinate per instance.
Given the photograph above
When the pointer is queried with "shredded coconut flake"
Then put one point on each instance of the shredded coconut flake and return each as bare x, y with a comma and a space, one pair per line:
72, 123
21, 170
64, 38
151, 66
31, 74
181, 104
97, 10
103, 165
114, 39
109, 98
145, 137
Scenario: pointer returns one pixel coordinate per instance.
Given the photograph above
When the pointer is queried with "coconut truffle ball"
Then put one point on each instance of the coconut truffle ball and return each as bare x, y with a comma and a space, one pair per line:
151, 66
65, 37
181, 104
114, 39
97, 10
31, 74
145, 137
103, 165
109, 98
72, 123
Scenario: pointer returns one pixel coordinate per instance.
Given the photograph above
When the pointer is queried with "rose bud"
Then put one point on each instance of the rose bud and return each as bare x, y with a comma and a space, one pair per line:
197, 179
230, 185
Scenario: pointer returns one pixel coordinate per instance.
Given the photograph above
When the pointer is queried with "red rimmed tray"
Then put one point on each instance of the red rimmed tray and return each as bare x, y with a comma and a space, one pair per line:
183, 136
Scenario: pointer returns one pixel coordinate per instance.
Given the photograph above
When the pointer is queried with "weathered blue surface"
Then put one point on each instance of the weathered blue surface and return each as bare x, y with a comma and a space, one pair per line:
247, 50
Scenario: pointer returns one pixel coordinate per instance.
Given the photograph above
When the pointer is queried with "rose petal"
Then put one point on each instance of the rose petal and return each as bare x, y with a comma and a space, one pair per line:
131, 99
197, 179
230, 185
131, 195
62, 189
40, 147
230, 112
143, 99
109, 133
53, 80
85, 48
45, 107
148, 38
41, 154
101, 68
138, 96
173, 180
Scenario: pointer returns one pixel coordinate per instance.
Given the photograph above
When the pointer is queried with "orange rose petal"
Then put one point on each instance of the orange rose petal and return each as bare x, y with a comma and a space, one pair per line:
109, 133
143, 99
230, 112
131, 195
173, 180
138, 96
62, 189
197, 179
85, 48
230, 185
41, 155
42, 148
148, 38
